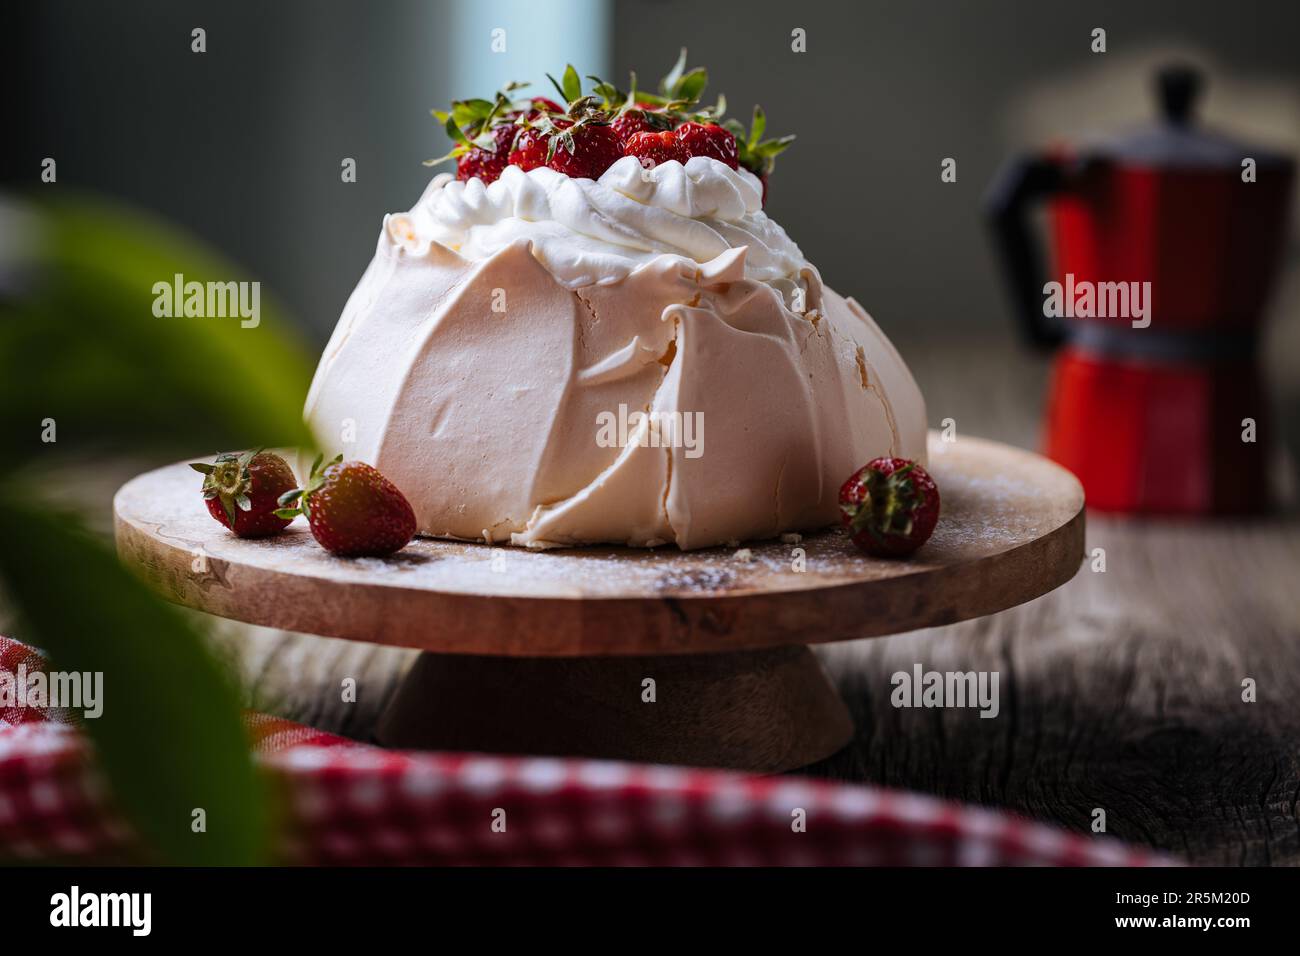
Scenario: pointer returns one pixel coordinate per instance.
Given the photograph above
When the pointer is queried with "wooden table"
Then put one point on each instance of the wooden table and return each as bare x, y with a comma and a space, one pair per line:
1120, 691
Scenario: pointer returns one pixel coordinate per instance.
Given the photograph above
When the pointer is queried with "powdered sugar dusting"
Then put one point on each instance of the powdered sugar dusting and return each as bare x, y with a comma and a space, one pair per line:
984, 511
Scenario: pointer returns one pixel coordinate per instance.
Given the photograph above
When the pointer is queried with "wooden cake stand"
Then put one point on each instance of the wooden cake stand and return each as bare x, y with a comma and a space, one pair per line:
696, 658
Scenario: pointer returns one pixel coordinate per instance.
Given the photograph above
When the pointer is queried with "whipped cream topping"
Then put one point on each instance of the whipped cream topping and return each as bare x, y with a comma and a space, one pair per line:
596, 232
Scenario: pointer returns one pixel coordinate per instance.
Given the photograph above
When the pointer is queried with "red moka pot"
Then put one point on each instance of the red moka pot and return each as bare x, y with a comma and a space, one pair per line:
1166, 243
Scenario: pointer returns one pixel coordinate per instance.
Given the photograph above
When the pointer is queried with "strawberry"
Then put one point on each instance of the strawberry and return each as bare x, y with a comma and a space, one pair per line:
655, 148
352, 509
627, 124
242, 490
585, 151
583, 134
581, 150
890, 506
529, 150
709, 139
487, 164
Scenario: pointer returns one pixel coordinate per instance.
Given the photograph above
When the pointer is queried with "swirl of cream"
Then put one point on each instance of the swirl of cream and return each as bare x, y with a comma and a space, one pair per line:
595, 232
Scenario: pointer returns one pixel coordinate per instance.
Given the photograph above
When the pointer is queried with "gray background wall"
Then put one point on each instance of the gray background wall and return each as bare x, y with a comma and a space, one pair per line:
886, 90
243, 144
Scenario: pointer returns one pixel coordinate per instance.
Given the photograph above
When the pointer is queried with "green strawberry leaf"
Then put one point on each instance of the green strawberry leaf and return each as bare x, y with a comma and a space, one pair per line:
468, 113
612, 98
757, 127
773, 147
456, 133
690, 86
670, 81
572, 84
558, 88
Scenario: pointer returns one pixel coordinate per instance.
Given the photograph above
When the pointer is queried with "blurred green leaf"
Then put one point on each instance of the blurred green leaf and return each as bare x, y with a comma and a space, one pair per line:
79, 341
169, 737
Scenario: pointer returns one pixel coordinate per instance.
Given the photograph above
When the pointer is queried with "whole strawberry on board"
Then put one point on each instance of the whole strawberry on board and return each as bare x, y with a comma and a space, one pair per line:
890, 506
352, 509
242, 491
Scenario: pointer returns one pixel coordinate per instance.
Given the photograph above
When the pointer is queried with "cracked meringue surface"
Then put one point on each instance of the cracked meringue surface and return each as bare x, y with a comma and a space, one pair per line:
498, 327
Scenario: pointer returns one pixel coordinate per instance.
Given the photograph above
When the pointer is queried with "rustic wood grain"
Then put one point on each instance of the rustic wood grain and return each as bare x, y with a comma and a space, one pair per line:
1012, 529
1121, 691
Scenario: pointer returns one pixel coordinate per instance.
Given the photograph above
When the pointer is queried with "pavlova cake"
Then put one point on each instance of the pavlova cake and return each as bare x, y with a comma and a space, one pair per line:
592, 333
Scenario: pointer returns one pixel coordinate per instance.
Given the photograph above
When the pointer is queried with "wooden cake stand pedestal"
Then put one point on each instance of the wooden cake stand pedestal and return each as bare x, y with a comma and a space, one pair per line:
697, 658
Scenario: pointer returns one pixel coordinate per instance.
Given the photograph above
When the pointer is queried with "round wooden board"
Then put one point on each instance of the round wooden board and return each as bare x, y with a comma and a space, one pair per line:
1011, 529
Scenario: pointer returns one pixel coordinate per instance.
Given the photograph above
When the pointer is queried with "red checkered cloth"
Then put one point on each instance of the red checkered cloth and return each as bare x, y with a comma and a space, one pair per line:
351, 803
